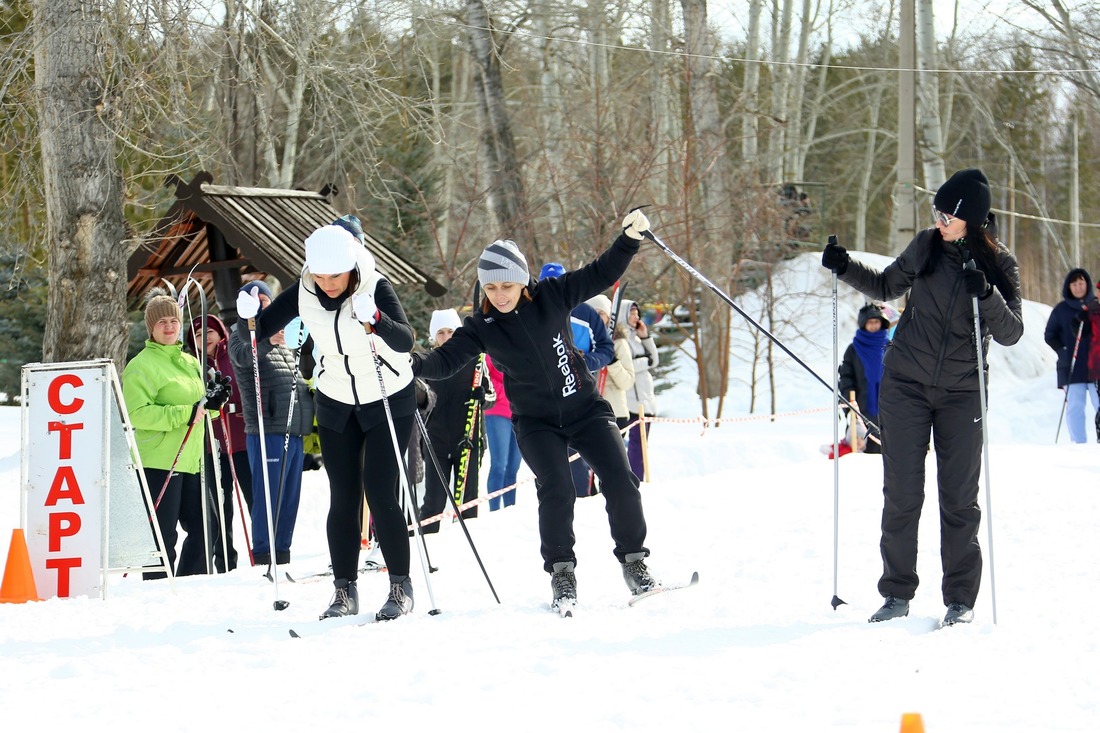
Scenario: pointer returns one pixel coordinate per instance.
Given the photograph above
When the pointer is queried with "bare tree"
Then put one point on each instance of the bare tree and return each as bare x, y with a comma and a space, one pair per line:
77, 105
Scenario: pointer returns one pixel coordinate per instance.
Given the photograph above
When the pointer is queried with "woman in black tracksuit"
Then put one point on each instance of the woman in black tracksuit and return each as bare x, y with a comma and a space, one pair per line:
930, 384
524, 326
352, 313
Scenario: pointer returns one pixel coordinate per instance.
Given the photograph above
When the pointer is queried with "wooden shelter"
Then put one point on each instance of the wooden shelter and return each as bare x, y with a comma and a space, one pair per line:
217, 234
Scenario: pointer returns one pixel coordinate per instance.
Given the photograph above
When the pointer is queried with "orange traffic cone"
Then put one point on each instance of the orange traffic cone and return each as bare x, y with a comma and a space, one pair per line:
18, 586
911, 723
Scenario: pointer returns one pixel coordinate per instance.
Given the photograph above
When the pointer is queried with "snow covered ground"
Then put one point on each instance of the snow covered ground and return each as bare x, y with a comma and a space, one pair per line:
755, 646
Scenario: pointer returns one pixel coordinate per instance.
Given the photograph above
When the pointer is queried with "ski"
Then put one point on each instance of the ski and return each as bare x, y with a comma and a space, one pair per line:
369, 566
664, 589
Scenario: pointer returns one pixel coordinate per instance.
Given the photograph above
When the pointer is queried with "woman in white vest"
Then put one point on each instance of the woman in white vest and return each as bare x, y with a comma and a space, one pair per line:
352, 312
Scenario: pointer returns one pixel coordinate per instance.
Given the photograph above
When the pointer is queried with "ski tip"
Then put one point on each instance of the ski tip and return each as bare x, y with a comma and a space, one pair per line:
294, 634
694, 578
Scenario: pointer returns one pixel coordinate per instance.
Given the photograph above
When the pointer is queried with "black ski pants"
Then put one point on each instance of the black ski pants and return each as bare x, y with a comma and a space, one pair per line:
448, 452
361, 462
911, 413
592, 432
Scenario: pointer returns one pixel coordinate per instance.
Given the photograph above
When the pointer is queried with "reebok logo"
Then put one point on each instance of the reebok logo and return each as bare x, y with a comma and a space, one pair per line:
562, 351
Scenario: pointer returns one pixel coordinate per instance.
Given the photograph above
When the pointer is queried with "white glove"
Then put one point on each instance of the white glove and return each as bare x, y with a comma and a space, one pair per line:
635, 223
364, 308
248, 304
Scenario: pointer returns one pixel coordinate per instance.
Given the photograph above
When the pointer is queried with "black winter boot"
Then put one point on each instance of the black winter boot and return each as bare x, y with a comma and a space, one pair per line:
400, 601
636, 574
892, 608
345, 602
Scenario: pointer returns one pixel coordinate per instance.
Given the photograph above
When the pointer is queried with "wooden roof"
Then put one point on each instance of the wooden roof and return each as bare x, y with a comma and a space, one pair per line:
218, 233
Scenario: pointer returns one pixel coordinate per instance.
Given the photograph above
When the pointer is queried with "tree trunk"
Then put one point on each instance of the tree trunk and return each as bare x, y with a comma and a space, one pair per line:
711, 175
930, 141
86, 314
507, 199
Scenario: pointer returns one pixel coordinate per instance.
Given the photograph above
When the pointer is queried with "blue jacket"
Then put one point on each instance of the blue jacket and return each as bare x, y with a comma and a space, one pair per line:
591, 336
1062, 328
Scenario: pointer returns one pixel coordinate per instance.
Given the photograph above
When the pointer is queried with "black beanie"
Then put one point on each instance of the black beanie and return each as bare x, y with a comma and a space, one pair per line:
965, 195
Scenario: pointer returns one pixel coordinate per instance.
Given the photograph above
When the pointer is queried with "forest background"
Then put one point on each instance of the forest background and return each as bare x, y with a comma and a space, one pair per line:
753, 132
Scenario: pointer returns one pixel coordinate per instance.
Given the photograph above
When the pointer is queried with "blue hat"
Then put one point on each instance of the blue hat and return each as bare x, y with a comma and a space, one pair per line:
551, 269
352, 224
260, 285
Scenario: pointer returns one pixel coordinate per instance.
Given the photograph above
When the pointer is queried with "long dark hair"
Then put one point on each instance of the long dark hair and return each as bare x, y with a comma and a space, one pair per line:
981, 245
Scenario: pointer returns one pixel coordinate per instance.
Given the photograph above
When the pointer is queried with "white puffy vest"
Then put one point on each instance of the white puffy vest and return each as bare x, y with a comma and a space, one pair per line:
346, 369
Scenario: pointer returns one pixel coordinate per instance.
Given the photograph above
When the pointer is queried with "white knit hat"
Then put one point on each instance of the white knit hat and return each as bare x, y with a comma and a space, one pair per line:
601, 303
444, 319
330, 251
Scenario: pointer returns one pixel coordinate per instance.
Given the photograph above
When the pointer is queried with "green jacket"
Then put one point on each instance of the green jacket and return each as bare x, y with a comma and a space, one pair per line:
161, 386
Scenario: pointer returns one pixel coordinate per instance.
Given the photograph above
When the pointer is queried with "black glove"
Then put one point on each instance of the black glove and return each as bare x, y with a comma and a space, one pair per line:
217, 392
835, 257
1081, 317
974, 281
478, 393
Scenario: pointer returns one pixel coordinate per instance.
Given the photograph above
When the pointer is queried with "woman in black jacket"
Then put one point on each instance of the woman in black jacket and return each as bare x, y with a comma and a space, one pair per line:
1069, 333
930, 386
524, 326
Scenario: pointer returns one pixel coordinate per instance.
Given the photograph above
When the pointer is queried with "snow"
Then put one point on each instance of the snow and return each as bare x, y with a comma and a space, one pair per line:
755, 646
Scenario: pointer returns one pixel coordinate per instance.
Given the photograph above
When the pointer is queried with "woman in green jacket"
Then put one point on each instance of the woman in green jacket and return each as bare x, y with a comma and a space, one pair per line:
165, 396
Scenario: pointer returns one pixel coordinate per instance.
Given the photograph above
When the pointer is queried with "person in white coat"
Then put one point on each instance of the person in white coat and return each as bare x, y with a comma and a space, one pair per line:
641, 397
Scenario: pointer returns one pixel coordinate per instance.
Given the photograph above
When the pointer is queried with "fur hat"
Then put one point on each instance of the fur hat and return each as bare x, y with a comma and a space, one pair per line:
502, 262
551, 269
601, 303
444, 319
329, 250
160, 305
965, 195
870, 312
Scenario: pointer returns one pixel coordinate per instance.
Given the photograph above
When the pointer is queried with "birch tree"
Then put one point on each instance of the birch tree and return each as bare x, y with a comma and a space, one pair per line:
77, 104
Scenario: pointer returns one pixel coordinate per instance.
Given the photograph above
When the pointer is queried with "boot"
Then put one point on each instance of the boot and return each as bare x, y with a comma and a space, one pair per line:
400, 601
893, 608
564, 585
345, 602
958, 613
636, 574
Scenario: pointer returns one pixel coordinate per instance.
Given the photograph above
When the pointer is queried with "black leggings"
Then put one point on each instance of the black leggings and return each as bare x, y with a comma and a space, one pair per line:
362, 463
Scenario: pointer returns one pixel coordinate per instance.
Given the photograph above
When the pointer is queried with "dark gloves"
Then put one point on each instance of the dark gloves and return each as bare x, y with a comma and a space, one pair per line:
974, 281
217, 392
1082, 316
835, 257
483, 398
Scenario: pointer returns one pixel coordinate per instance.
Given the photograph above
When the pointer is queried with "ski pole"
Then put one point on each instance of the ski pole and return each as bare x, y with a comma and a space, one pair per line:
454, 504
1069, 376
279, 605
289, 423
403, 473
835, 602
729, 301
985, 443
236, 484
172, 470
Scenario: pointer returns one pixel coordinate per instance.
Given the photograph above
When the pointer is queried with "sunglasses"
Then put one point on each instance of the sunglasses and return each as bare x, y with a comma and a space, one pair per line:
943, 218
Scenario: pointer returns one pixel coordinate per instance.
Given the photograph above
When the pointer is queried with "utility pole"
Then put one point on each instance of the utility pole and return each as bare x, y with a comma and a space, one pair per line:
905, 224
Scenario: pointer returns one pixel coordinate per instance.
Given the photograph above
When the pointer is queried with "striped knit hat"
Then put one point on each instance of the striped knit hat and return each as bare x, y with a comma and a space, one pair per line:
502, 262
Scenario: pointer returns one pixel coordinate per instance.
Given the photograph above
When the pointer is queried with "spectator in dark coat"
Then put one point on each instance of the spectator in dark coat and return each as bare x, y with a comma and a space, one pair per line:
281, 383
1069, 333
231, 447
861, 368
930, 386
455, 428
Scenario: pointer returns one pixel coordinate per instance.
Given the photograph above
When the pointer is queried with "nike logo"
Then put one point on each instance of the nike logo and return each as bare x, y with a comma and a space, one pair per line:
977, 419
